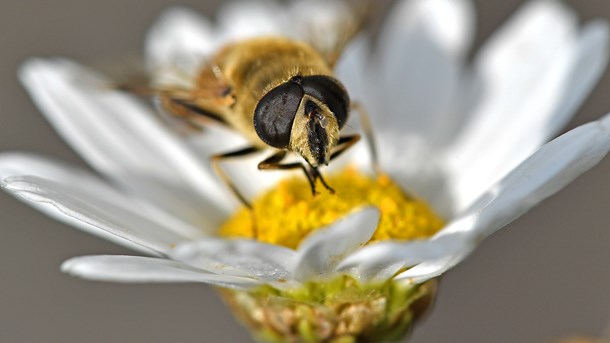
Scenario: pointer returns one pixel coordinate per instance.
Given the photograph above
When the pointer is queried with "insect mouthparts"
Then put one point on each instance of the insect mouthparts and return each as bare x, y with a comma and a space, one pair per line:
311, 110
322, 120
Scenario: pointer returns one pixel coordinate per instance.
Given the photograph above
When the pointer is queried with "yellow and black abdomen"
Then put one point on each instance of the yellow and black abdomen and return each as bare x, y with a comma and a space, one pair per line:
254, 67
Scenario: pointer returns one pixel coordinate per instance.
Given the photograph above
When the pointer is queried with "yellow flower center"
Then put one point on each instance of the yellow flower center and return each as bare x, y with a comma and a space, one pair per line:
289, 212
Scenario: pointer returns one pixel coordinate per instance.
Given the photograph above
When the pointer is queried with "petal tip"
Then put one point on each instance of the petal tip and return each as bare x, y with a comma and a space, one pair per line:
71, 266
605, 122
368, 211
29, 68
34, 71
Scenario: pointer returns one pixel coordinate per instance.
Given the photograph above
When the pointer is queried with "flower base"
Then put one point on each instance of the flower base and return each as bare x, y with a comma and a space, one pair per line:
339, 311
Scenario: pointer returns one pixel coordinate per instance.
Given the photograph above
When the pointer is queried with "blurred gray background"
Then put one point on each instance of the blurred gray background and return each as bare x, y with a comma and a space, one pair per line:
545, 276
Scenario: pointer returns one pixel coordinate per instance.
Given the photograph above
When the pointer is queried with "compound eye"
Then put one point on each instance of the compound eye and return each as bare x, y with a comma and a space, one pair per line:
275, 112
331, 93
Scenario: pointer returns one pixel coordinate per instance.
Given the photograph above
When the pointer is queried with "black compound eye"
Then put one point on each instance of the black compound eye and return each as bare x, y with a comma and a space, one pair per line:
275, 112
330, 92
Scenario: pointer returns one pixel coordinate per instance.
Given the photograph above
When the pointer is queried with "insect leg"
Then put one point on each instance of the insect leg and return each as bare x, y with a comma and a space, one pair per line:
317, 175
184, 108
224, 177
273, 162
368, 133
343, 144
314, 174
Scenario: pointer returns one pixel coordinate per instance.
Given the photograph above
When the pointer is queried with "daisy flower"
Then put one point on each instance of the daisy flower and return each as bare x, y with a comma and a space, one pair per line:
463, 148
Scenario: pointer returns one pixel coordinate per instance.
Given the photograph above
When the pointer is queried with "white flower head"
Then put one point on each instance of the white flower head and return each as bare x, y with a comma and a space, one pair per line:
470, 141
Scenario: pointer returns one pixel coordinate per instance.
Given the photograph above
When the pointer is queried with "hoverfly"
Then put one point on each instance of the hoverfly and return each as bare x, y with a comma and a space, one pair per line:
277, 92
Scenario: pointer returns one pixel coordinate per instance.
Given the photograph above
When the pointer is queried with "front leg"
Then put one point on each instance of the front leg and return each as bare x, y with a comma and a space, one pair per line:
224, 177
343, 144
274, 163
312, 173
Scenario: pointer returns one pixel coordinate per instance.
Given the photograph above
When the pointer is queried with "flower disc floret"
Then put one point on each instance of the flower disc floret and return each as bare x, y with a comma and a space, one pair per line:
286, 214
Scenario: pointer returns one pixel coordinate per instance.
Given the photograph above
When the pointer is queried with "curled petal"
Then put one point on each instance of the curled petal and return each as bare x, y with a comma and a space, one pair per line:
82, 200
431, 269
547, 171
319, 253
239, 257
380, 261
136, 269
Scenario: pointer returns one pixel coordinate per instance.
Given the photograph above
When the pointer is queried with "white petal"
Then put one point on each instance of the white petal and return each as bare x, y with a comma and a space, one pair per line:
547, 171
238, 257
566, 86
299, 19
244, 19
382, 260
145, 269
536, 72
177, 44
588, 63
431, 269
543, 174
351, 69
522, 35
419, 53
320, 22
319, 253
122, 139
178, 34
80, 199
419, 67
